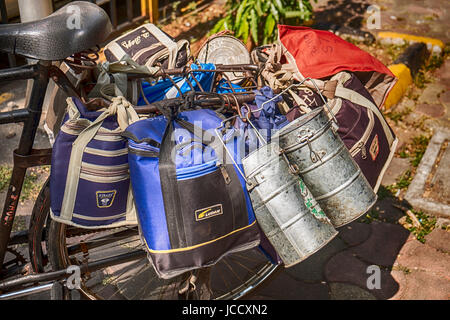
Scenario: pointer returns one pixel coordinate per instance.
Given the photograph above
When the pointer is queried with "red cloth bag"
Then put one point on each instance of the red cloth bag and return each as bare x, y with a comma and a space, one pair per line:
320, 54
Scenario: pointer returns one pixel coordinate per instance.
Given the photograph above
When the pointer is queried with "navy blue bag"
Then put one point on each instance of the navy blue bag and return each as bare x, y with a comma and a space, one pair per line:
89, 178
192, 207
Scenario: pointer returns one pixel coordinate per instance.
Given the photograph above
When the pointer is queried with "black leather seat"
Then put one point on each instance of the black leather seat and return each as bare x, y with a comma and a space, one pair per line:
56, 36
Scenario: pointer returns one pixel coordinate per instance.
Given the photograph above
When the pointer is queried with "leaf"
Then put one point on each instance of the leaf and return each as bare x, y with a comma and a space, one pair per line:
266, 5
279, 6
254, 26
239, 14
227, 23
243, 25
269, 26
244, 36
258, 8
294, 14
274, 11
307, 6
218, 26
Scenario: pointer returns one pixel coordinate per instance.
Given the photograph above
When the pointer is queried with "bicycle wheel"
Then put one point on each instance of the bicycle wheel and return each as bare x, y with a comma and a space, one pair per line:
231, 278
38, 229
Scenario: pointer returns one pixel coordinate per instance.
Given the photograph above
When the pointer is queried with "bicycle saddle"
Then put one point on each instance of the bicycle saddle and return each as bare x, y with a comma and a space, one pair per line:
75, 27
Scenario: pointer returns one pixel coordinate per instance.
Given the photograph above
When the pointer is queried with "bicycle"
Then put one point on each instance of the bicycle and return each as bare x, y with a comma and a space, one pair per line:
113, 265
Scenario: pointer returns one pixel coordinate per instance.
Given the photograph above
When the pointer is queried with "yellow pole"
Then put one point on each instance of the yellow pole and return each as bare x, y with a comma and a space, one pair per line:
153, 11
144, 8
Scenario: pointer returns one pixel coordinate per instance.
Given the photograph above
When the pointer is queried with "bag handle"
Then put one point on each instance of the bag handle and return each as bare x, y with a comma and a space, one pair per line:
359, 99
125, 116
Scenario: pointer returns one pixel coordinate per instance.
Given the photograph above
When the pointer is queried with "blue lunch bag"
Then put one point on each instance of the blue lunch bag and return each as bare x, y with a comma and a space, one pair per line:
192, 208
89, 178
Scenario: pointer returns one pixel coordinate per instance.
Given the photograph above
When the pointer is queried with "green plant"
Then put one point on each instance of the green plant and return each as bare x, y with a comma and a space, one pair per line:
30, 186
191, 6
395, 50
420, 144
415, 150
5, 175
257, 19
397, 116
403, 182
427, 224
372, 215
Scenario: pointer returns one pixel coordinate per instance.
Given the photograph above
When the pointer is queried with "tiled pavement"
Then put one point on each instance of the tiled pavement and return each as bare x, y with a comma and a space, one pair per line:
408, 268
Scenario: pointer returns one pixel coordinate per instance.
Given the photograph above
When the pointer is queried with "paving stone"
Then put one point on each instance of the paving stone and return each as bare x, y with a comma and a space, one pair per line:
412, 119
444, 98
344, 291
383, 245
404, 136
443, 72
417, 256
439, 187
429, 190
431, 110
312, 268
399, 276
284, 287
345, 267
431, 93
355, 233
439, 239
425, 286
396, 168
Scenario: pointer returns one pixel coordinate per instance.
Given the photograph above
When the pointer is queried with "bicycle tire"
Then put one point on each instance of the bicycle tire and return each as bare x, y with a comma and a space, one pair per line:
59, 258
37, 230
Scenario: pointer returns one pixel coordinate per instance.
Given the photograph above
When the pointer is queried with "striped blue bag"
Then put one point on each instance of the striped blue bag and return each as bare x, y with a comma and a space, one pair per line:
89, 178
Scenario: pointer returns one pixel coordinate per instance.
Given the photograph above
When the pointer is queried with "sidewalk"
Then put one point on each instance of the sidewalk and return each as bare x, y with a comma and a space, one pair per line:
410, 269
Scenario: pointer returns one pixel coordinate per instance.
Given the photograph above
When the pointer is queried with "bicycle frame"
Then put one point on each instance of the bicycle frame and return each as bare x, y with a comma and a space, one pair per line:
24, 156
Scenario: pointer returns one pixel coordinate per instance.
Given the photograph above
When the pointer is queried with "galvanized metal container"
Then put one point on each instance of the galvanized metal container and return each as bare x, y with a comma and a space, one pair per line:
287, 213
225, 49
326, 167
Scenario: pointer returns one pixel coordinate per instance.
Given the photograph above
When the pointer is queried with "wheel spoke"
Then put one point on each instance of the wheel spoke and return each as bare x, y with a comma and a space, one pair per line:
240, 271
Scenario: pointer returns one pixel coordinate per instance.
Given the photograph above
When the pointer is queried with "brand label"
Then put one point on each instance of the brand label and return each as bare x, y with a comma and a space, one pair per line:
128, 43
105, 199
374, 148
209, 212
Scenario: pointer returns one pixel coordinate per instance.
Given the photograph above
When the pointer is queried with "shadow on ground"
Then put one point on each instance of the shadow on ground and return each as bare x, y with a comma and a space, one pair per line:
345, 12
341, 269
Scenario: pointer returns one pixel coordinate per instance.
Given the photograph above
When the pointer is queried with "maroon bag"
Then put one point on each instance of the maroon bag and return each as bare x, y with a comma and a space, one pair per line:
361, 125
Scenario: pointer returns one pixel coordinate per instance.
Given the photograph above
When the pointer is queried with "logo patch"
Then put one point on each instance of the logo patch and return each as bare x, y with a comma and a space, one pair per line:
209, 212
105, 199
374, 148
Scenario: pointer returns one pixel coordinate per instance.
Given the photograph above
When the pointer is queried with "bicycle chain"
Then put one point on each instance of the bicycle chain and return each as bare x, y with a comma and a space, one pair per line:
77, 232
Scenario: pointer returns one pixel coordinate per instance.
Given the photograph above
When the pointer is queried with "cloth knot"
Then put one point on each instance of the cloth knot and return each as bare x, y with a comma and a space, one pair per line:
118, 102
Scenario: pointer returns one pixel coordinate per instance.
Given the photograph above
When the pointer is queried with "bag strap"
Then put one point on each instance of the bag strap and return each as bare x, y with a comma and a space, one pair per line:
168, 176
359, 99
172, 47
128, 65
169, 186
125, 116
